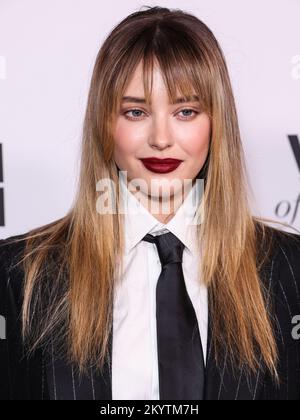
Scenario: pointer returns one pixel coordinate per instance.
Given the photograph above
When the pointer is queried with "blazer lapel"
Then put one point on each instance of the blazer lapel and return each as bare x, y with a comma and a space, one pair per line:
227, 382
64, 382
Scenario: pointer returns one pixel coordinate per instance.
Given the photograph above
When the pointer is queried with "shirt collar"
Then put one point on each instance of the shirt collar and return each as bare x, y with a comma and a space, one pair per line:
139, 221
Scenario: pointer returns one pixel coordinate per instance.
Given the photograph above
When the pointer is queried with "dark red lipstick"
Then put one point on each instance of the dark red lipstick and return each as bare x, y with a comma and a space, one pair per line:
161, 166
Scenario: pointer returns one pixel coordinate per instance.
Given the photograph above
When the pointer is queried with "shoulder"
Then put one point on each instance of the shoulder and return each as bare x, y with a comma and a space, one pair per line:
12, 245
281, 245
11, 251
286, 250
285, 258
14, 254
11, 272
288, 270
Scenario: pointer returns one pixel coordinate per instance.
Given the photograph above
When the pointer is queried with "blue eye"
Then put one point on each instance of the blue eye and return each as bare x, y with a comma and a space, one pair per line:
188, 110
136, 111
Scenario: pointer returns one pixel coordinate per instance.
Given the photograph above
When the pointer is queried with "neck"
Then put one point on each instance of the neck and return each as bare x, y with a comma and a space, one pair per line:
162, 208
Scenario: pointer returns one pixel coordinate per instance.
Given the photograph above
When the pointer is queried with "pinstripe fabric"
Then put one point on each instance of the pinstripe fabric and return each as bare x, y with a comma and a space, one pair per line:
46, 376
281, 276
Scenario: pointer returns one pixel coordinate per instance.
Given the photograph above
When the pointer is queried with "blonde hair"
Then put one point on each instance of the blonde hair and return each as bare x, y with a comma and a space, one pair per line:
71, 264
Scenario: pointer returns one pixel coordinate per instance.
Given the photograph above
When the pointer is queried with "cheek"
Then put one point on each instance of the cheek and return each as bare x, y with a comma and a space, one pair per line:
128, 138
195, 138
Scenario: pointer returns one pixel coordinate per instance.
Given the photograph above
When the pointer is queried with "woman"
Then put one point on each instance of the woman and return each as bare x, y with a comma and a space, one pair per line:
176, 304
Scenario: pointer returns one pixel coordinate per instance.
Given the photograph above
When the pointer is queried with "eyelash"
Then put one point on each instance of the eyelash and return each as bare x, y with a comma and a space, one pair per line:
138, 118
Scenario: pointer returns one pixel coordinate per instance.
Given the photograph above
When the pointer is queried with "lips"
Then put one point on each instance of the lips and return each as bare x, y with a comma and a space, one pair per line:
161, 165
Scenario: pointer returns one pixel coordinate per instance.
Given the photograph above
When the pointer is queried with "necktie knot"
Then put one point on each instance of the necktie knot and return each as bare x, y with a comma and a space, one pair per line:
169, 247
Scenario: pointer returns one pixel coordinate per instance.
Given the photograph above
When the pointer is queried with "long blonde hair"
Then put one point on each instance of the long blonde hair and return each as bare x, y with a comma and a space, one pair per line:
71, 264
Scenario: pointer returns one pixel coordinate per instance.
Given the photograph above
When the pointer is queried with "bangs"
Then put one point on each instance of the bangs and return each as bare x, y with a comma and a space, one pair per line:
183, 77
182, 63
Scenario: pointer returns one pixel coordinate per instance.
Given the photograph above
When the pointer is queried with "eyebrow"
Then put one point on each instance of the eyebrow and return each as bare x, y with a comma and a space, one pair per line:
139, 100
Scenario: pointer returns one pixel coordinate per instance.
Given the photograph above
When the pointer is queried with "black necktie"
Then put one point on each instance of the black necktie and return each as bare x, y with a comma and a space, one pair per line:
180, 355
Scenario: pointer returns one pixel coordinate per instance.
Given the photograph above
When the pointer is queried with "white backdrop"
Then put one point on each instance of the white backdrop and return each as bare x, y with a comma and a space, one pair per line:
47, 52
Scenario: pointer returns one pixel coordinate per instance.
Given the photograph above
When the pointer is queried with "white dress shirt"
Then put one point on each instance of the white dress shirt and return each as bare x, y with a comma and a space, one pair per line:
134, 352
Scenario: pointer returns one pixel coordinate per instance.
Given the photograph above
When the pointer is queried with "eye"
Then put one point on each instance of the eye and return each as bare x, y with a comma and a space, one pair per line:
136, 114
187, 113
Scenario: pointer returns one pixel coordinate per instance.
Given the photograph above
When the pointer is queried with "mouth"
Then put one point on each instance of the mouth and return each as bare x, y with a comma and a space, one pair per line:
161, 166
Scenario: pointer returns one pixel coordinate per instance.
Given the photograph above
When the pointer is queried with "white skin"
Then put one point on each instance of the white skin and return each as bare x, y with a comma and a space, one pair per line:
162, 130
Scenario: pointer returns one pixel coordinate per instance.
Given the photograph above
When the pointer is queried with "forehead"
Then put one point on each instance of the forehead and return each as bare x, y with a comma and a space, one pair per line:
135, 89
177, 100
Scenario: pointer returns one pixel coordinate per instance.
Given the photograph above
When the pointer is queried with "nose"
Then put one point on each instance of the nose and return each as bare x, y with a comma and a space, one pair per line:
161, 136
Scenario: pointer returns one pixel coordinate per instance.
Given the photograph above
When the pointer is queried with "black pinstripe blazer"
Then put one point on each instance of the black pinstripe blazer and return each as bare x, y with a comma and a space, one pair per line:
45, 376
